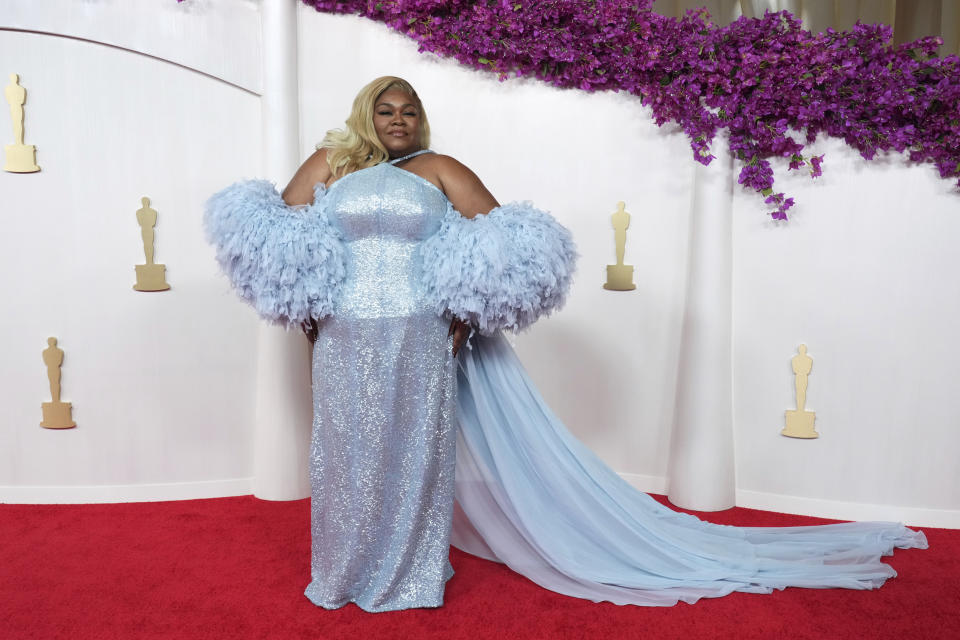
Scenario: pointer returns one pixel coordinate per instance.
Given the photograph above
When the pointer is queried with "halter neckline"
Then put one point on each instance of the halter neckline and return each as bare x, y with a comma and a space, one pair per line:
410, 155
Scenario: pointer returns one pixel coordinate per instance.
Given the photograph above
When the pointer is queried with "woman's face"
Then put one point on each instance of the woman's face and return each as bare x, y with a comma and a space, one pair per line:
397, 122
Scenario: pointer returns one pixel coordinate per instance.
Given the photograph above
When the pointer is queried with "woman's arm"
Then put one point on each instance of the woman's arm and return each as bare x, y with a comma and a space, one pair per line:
300, 191
463, 188
498, 271
468, 196
313, 170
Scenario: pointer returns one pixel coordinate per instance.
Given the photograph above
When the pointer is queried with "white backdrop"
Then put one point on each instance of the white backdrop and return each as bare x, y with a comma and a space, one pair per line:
865, 274
162, 384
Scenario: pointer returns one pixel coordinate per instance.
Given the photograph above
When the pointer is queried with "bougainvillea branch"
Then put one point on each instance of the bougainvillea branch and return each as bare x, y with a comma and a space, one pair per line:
767, 81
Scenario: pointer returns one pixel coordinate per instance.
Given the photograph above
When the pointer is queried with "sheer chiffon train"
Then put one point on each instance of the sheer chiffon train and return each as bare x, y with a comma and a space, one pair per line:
532, 496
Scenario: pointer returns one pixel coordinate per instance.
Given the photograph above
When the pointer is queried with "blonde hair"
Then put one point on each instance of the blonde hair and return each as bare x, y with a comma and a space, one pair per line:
357, 146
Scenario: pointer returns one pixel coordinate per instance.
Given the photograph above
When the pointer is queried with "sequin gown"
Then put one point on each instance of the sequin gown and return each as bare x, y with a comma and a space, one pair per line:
384, 432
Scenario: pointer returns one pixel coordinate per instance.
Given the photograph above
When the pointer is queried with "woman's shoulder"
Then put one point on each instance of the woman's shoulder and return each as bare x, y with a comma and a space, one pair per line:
443, 162
462, 186
449, 170
317, 162
314, 170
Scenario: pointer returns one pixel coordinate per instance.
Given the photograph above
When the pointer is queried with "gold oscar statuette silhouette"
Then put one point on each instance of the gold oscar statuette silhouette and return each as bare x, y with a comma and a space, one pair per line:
19, 157
150, 276
56, 414
620, 276
800, 422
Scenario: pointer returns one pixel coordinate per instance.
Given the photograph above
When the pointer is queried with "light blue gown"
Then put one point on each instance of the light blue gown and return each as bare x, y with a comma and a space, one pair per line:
401, 428
384, 432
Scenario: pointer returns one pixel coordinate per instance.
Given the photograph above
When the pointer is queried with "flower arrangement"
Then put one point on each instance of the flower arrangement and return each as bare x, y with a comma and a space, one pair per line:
765, 80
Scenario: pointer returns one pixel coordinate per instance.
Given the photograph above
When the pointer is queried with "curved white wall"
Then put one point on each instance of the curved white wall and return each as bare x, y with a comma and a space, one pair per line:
161, 383
865, 275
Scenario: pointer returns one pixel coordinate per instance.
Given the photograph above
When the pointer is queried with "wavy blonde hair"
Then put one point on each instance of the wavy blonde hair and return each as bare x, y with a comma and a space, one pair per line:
357, 146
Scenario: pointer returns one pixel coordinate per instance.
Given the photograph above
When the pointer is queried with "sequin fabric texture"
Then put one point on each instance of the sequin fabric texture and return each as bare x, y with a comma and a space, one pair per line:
382, 453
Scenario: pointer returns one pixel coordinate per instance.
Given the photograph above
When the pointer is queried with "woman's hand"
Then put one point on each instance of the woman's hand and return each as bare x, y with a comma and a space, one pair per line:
310, 328
460, 331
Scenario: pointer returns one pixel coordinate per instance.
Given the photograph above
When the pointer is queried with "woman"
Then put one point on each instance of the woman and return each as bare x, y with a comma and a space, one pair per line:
400, 253
382, 455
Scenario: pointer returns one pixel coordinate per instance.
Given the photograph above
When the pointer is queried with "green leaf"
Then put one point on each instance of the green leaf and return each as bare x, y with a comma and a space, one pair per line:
766, 192
483, 61
411, 21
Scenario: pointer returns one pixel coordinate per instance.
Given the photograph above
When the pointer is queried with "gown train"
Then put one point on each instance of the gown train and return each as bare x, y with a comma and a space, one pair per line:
532, 496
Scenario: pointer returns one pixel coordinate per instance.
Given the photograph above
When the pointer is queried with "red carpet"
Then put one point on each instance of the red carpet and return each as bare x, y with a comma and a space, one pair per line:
236, 568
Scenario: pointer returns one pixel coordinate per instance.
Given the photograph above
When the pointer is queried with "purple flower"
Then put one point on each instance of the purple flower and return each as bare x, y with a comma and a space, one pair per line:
815, 161
758, 78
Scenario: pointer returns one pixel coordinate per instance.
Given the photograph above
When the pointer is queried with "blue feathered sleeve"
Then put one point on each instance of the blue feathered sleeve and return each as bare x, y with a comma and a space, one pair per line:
502, 270
288, 262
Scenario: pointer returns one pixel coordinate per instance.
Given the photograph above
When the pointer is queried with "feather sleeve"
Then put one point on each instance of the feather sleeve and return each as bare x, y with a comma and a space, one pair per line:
502, 270
288, 262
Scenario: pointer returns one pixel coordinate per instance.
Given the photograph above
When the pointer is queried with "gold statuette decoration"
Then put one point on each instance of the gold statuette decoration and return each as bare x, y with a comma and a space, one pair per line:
19, 157
800, 422
150, 276
56, 414
620, 276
